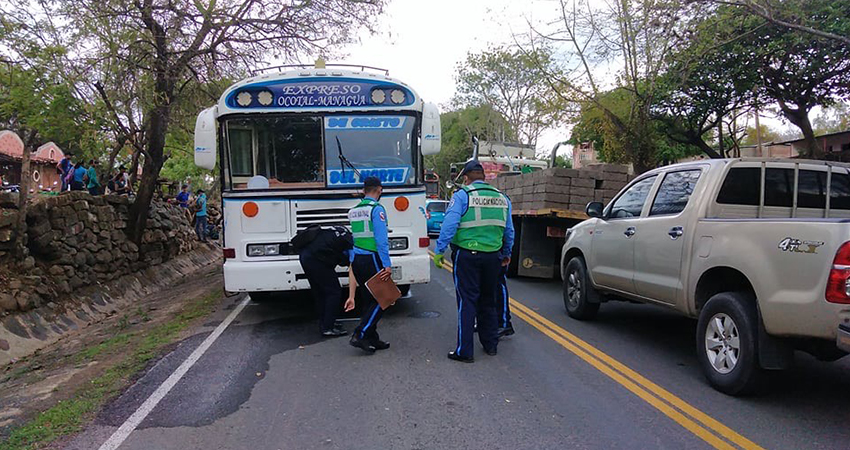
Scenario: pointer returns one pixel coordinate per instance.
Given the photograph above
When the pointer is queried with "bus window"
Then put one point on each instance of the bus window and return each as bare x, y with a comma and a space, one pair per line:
286, 150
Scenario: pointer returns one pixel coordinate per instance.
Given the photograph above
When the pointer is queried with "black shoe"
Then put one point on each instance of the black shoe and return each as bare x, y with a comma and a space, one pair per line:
362, 344
454, 356
379, 344
506, 331
335, 332
491, 352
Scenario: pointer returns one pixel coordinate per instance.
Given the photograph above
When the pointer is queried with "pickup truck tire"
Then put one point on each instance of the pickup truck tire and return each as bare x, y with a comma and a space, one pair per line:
262, 297
580, 298
727, 343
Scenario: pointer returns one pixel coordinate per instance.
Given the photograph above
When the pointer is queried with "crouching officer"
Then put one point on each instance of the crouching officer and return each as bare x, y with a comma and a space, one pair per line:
478, 225
320, 250
371, 254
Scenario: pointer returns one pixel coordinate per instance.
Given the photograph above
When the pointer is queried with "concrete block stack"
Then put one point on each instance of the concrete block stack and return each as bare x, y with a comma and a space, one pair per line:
566, 189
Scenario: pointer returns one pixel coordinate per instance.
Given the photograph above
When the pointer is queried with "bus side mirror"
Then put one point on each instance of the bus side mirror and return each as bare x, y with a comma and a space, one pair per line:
205, 152
431, 133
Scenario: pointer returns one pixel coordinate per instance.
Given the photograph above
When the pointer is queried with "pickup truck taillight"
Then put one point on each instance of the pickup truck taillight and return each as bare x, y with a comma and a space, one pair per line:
838, 285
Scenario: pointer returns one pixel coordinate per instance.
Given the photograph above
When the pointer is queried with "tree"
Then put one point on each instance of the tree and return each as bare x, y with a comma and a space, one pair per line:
621, 44
767, 135
162, 48
458, 128
564, 162
798, 15
796, 70
511, 81
833, 120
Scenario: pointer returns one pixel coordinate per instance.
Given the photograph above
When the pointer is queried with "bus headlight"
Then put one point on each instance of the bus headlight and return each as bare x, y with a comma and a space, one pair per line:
378, 96
399, 243
263, 249
244, 98
265, 98
397, 96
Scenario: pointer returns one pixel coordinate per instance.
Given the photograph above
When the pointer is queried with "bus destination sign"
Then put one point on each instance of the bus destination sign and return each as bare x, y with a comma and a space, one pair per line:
319, 93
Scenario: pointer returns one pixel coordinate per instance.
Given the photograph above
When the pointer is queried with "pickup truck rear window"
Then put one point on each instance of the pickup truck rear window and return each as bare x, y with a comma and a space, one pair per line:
778, 187
811, 189
741, 187
839, 191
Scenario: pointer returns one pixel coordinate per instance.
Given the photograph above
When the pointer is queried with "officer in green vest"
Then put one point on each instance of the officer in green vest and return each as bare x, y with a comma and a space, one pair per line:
479, 228
371, 254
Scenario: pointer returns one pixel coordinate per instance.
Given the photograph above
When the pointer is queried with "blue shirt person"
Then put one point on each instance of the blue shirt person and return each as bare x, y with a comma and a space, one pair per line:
183, 197
382, 241
370, 257
201, 216
477, 258
457, 208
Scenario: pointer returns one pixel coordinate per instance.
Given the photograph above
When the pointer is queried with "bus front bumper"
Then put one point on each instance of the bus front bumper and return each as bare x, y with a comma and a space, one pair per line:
271, 276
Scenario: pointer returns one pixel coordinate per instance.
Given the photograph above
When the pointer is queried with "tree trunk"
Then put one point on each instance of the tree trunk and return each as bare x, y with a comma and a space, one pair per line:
134, 168
154, 160
24, 187
119, 144
800, 118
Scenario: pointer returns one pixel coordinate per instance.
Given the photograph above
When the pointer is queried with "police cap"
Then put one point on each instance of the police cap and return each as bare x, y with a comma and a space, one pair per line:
472, 166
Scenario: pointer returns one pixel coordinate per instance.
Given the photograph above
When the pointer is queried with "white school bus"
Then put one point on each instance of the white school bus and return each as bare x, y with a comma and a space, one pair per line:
293, 149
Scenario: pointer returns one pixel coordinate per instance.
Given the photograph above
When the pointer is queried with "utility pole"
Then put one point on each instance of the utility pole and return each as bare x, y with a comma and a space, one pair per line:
758, 132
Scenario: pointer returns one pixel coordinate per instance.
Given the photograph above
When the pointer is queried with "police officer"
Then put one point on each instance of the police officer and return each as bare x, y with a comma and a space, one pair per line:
478, 225
320, 250
371, 254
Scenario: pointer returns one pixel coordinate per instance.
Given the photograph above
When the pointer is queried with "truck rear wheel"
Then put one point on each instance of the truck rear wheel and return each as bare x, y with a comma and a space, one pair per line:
727, 343
262, 297
580, 298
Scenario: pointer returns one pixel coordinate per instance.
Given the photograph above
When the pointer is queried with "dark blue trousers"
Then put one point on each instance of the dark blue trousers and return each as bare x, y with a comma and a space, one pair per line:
504, 303
476, 281
365, 267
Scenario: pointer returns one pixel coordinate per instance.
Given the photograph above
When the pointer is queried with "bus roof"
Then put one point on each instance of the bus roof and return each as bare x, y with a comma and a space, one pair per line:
317, 90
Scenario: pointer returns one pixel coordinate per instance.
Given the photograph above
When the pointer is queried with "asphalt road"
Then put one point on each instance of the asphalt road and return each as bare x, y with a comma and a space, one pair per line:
269, 382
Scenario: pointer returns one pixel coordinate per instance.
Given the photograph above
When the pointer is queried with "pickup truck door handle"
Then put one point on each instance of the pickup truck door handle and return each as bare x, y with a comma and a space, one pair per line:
630, 231
676, 233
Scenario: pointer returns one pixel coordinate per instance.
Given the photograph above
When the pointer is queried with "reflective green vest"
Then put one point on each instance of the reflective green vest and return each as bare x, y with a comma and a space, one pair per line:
360, 218
483, 225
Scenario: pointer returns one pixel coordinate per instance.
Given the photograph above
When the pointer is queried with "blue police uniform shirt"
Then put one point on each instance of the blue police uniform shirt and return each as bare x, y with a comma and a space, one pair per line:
457, 208
382, 240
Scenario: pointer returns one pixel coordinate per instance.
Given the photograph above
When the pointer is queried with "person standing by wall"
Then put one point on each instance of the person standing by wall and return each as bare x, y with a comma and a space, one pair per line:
64, 166
78, 177
371, 255
91, 174
183, 196
201, 215
478, 226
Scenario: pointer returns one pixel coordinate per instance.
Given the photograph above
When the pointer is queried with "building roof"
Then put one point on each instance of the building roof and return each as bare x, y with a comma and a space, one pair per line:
12, 147
837, 133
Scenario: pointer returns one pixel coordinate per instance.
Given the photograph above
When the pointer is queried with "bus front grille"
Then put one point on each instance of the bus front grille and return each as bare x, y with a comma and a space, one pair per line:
325, 217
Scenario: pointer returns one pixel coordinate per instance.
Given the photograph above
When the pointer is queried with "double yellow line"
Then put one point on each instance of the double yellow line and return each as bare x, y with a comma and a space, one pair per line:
697, 422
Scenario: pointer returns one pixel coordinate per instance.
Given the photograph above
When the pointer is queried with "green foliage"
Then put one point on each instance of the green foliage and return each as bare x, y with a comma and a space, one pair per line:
515, 83
767, 135
563, 162
458, 127
833, 120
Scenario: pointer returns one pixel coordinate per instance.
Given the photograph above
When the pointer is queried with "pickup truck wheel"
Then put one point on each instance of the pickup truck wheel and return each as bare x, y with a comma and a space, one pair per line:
262, 297
580, 298
727, 336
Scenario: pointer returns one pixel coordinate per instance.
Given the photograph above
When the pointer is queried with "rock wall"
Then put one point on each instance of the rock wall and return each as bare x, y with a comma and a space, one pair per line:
75, 240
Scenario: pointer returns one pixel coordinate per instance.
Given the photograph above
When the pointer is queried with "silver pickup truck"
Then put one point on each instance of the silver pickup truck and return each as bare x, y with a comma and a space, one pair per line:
758, 250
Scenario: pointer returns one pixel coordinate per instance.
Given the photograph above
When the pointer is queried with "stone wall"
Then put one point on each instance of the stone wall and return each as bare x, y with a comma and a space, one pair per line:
75, 240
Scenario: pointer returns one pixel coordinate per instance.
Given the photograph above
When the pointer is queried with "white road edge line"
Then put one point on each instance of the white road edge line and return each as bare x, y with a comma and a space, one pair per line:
123, 432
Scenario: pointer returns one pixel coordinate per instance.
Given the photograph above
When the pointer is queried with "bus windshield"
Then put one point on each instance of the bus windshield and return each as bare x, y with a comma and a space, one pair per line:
303, 151
376, 145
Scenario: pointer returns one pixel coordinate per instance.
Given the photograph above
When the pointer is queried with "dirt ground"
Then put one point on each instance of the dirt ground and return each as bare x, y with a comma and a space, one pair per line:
58, 372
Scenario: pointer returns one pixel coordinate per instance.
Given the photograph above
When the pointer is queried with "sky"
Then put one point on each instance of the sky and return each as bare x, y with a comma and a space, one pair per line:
421, 43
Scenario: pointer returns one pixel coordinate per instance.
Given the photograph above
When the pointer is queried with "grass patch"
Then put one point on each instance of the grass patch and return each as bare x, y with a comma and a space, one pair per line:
109, 345
70, 416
